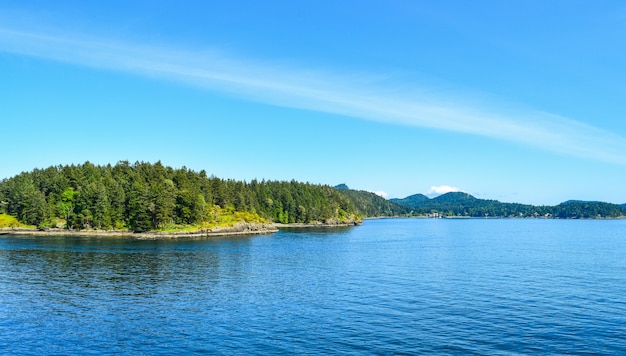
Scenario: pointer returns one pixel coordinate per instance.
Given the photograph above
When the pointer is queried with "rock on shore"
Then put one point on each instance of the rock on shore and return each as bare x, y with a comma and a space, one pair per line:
237, 229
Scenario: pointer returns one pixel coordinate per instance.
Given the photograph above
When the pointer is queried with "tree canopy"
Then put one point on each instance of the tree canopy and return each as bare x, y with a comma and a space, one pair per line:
145, 196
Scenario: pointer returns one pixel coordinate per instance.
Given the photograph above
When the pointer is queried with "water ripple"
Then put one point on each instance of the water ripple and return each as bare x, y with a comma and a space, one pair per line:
388, 287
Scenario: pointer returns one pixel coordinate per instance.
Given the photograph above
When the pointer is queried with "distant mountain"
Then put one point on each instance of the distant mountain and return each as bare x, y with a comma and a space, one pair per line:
369, 204
411, 201
454, 198
464, 204
579, 201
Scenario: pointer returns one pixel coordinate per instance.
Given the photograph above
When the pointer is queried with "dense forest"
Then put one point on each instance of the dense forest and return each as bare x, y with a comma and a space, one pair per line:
369, 204
144, 196
463, 204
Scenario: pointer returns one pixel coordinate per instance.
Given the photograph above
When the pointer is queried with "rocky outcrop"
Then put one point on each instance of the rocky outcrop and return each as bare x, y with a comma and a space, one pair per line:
238, 229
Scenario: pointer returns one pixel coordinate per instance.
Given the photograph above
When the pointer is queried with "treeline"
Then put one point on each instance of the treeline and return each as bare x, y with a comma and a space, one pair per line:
144, 196
371, 205
587, 210
463, 204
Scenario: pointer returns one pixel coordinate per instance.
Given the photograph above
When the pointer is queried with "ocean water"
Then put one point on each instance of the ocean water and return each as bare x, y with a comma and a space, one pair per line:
391, 286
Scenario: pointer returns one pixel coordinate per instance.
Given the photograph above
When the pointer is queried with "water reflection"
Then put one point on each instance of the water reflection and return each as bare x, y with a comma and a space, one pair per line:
116, 267
399, 286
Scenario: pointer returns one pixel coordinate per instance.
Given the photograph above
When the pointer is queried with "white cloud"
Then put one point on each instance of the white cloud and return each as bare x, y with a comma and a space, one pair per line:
442, 189
358, 95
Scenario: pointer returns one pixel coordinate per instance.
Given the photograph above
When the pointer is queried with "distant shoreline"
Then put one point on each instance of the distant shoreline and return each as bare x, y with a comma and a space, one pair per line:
463, 217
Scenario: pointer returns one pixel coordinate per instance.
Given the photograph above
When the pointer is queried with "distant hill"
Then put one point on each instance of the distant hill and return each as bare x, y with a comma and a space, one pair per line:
587, 209
411, 201
464, 204
579, 201
369, 204
454, 198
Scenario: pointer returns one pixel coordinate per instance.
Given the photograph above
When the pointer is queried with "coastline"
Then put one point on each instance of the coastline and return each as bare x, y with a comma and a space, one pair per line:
237, 230
240, 229
316, 224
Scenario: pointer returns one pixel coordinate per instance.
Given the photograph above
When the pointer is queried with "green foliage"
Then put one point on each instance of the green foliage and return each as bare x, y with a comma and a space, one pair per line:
67, 203
371, 205
463, 204
587, 210
144, 196
8, 221
412, 201
229, 217
22, 199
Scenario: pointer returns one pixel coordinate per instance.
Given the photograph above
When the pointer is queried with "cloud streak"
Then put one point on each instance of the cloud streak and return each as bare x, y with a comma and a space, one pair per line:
357, 95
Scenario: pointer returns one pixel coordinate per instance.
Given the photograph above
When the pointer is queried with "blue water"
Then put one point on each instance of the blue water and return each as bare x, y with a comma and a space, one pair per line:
396, 286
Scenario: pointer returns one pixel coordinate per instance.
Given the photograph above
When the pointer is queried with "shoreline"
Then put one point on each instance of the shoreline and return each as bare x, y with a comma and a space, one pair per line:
314, 225
241, 229
237, 230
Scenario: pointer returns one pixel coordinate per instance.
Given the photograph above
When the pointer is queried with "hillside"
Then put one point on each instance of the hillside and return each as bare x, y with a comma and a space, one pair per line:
587, 209
412, 201
464, 204
368, 204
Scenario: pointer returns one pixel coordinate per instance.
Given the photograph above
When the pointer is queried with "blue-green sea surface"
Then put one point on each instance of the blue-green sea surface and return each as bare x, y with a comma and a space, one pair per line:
392, 286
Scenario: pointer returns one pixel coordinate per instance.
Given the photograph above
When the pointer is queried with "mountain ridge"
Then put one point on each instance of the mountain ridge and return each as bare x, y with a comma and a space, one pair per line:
465, 204
369, 204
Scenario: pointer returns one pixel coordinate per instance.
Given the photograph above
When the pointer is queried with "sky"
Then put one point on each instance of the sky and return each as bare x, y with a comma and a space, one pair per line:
519, 101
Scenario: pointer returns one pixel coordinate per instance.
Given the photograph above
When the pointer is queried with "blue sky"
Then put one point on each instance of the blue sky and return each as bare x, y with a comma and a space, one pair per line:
520, 101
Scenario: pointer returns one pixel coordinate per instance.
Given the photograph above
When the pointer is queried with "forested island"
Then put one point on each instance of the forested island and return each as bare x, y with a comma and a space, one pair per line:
151, 197
143, 197
459, 204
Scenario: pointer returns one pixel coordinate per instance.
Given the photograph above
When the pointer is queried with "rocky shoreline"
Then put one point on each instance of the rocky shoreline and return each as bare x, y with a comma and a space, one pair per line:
317, 224
237, 230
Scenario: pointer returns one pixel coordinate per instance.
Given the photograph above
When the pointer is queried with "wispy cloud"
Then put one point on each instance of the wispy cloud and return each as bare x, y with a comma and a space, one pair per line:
357, 95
